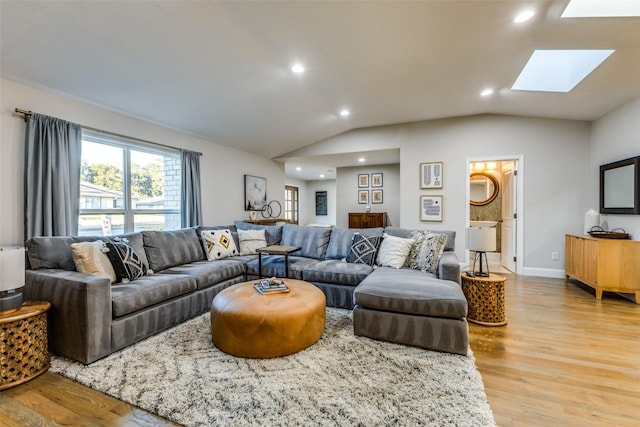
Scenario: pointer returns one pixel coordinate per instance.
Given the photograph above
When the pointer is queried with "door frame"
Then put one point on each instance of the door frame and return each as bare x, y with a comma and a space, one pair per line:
519, 158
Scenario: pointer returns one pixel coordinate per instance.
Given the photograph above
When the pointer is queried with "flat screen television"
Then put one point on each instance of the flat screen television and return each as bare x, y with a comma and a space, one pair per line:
620, 187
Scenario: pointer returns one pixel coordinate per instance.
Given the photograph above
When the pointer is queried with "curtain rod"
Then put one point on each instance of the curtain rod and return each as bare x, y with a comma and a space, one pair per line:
27, 113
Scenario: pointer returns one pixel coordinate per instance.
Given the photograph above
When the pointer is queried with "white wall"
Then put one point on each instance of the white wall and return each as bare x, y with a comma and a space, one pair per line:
615, 136
222, 168
310, 207
347, 192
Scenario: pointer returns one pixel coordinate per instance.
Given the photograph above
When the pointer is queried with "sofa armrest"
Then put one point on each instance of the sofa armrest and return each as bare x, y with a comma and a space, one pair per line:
80, 314
449, 267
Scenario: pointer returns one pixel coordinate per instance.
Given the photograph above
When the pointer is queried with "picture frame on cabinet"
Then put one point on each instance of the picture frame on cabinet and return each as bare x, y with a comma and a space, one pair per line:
431, 208
431, 175
255, 193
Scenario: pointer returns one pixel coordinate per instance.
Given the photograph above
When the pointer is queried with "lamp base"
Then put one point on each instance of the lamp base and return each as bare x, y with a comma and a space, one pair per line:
10, 301
478, 257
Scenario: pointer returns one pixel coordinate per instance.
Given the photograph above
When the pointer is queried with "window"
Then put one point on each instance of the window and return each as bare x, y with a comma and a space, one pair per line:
291, 204
127, 186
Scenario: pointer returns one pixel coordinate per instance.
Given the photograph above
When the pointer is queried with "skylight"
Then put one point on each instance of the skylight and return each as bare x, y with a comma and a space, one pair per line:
558, 70
601, 8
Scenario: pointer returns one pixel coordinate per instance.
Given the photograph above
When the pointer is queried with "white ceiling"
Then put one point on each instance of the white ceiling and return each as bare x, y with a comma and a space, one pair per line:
221, 70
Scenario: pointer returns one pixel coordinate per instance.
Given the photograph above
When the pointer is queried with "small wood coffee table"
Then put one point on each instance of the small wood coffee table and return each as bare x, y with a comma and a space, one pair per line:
246, 323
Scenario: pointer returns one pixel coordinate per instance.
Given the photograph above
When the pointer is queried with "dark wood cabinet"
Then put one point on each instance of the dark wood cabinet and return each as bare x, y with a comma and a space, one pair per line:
367, 219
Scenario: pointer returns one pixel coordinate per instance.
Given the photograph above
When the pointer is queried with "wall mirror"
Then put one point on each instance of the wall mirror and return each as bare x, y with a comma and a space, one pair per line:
483, 188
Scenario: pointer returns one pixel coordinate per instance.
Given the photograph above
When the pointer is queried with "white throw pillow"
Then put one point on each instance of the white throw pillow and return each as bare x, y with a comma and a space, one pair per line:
393, 251
218, 244
91, 258
250, 240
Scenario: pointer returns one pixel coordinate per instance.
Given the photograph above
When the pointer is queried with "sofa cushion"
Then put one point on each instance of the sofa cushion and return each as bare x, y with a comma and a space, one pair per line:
337, 272
218, 244
232, 228
210, 273
273, 233
313, 241
149, 290
273, 266
341, 240
91, 258
125, 261
250, 240
393, 251
404, 233
166, 249
364, 249
427, 250
411, 291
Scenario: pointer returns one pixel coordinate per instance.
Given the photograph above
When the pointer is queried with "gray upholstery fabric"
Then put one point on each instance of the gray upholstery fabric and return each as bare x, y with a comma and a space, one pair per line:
411, 291
433, 333
336, 295
231, 228
404, 233
166, 249
209, 273
273, 233
313, 241
273, 265
449, 267
149, 290
341, 239
338, 272
79, 320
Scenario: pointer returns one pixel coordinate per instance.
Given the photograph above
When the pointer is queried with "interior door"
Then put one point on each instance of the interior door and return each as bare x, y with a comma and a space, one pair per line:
508, 239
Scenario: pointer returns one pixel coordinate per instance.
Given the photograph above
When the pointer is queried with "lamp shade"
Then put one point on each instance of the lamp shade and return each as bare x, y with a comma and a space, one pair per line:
481, 239
11, 268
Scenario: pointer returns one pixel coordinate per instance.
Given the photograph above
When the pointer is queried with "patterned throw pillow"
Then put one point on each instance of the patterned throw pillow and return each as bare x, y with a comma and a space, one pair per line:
364, 249
250, 240
218, 244
393, 251
126, 263
91, 258
427, 251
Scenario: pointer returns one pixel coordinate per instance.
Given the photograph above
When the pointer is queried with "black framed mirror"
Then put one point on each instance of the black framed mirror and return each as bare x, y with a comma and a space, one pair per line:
620, 187
484, 188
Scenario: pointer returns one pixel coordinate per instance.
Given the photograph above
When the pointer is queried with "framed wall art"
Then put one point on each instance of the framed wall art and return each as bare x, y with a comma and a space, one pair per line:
363, 197
321, 203
431, 208
363, 180
376, 196
431, 175
255, 193
376, 180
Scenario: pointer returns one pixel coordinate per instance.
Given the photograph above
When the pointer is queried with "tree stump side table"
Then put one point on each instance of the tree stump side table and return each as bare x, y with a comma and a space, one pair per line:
485, 297
24, 352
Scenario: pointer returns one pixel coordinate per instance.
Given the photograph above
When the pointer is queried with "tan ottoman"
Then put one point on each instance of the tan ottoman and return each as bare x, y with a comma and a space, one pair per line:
245, 323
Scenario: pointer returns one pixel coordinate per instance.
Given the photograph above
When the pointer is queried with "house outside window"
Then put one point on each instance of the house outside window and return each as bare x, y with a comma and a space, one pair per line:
127, 186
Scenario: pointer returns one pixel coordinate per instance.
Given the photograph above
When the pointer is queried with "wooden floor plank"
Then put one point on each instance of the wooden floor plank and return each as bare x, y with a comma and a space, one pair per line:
564, 359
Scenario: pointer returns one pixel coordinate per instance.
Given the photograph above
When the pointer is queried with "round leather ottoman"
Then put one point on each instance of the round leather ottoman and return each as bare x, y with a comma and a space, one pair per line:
246, 323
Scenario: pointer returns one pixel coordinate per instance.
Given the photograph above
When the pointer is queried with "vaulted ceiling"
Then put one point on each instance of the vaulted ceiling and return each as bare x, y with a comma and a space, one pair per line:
221, 69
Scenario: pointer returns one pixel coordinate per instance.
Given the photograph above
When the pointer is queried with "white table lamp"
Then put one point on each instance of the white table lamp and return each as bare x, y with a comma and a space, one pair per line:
11, 278
481, 240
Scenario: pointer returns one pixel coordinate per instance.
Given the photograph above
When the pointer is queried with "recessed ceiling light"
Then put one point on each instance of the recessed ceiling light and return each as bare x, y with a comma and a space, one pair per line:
361, 159
601, 9
558, 70
486, 92
297, 68
298, 168
344, 112
524, 16
321, 175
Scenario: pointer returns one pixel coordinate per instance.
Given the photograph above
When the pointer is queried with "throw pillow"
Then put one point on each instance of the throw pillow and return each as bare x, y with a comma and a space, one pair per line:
218, 244
250, 240
91, 258
427, 251
393, 251
126, 262
364, 249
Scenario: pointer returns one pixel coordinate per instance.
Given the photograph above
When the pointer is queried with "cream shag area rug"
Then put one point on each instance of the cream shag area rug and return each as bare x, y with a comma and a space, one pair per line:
342, 380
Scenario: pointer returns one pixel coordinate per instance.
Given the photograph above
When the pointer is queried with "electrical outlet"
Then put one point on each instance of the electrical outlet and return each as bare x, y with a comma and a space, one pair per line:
555, 256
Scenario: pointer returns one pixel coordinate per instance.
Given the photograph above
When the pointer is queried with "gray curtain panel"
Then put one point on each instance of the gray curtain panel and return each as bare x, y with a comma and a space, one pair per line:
52, 176
191, 193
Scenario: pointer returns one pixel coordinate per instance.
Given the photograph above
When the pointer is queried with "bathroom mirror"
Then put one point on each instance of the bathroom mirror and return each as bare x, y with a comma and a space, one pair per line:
483, 188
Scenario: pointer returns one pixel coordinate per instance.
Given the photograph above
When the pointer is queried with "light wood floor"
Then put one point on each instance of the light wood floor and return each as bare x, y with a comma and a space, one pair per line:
564, 359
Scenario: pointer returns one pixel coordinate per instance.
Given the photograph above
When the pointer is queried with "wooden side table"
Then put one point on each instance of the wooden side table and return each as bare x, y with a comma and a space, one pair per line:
24, 352
485, 297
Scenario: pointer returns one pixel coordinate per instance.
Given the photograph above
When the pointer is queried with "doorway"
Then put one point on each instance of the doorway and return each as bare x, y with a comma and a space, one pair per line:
494, 199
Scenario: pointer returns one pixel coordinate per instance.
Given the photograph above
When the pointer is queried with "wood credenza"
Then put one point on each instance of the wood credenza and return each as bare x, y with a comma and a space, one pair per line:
367, 219
611, 265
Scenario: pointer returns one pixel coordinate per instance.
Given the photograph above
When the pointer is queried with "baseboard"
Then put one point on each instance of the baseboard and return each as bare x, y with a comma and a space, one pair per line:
543, 272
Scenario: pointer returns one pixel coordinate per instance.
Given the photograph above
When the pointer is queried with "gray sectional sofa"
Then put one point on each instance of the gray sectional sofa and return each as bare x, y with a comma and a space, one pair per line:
91, 318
